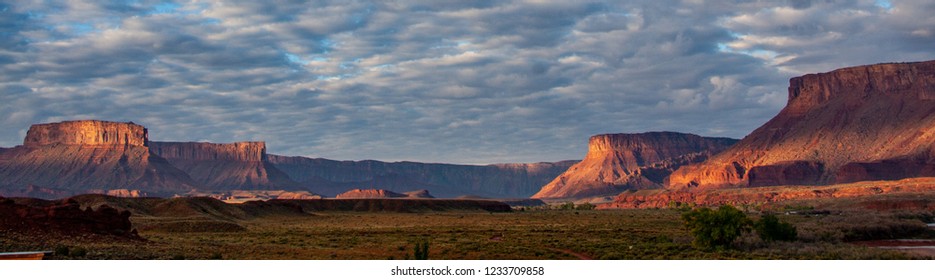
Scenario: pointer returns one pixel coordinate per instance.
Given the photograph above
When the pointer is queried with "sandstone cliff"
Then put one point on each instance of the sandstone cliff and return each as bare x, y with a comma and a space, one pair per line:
77, 156
86, 133
331, 177
617, 162
873, 122
231, 166
238, 151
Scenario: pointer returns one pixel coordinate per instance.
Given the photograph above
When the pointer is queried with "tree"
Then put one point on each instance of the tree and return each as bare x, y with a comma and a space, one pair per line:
769, 228
716, 229
585, 206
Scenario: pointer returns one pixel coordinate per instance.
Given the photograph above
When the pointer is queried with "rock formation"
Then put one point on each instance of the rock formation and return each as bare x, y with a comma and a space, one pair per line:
419, 194
873, 122
77, 156
617, 162
64, 218
240, 165
86, 133
369, 193
331, 177
120, 193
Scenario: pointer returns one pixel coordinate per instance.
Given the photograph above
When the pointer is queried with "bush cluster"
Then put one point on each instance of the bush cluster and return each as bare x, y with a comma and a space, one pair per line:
717, 229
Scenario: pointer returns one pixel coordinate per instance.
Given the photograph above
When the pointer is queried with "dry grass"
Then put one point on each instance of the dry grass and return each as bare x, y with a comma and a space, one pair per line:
548, 234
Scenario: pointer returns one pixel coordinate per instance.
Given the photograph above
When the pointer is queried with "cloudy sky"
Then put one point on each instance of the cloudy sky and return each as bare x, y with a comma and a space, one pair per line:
433, 81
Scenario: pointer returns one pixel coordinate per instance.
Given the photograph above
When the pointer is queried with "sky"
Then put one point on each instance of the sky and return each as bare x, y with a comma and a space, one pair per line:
451, 81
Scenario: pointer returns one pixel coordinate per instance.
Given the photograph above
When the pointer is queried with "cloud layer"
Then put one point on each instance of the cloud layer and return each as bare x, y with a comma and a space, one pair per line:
433, 81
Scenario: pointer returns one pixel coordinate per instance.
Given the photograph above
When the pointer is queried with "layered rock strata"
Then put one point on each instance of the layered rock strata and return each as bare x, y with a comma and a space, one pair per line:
231, 166
862, 123
76, 156
617, 162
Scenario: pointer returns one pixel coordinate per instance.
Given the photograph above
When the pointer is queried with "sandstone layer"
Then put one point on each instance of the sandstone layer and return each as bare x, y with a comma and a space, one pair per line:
618, 162
862, 123
231, 166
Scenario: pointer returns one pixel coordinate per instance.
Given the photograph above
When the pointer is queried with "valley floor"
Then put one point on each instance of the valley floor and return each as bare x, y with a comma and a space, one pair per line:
526, 234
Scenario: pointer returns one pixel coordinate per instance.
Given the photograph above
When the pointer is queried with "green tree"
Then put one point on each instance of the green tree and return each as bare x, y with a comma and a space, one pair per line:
585, 206
567, 206
716, 229
769, 228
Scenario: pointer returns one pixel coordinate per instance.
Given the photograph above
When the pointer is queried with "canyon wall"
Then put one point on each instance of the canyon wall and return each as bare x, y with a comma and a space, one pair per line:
238, 151
874, 122
228, 166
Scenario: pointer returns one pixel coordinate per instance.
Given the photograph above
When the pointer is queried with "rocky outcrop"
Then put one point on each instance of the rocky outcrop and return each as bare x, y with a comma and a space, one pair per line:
617, 162
77, 156
64, 218
419, 194
89, 132
331, 177
380, 193
240, 196
369, 193
664, 198
873, 122
231, 166
121, 193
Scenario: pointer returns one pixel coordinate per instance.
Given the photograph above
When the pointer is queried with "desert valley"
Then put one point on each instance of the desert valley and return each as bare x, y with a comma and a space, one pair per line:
849, 164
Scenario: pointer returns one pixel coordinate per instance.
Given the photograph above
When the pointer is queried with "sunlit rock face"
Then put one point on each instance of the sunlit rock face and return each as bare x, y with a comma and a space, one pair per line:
617, 162
88, 132
874, 122
79, 156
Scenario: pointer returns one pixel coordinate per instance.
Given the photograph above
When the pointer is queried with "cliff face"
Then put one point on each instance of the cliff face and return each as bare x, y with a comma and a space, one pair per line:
86, 133
230, 166
331, 177
617, 162
77, 156
873, 122
239, 151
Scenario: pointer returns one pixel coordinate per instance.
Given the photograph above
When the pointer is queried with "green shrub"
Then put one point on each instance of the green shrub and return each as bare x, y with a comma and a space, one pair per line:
567, 206
78, 252
769, 228
585, 206
61, 250
421, 250
716, 229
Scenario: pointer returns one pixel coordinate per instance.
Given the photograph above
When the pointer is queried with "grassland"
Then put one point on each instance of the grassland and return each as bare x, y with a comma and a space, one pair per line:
530, 234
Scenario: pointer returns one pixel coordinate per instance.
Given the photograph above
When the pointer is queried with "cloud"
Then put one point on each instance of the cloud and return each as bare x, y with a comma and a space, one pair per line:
442, 81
